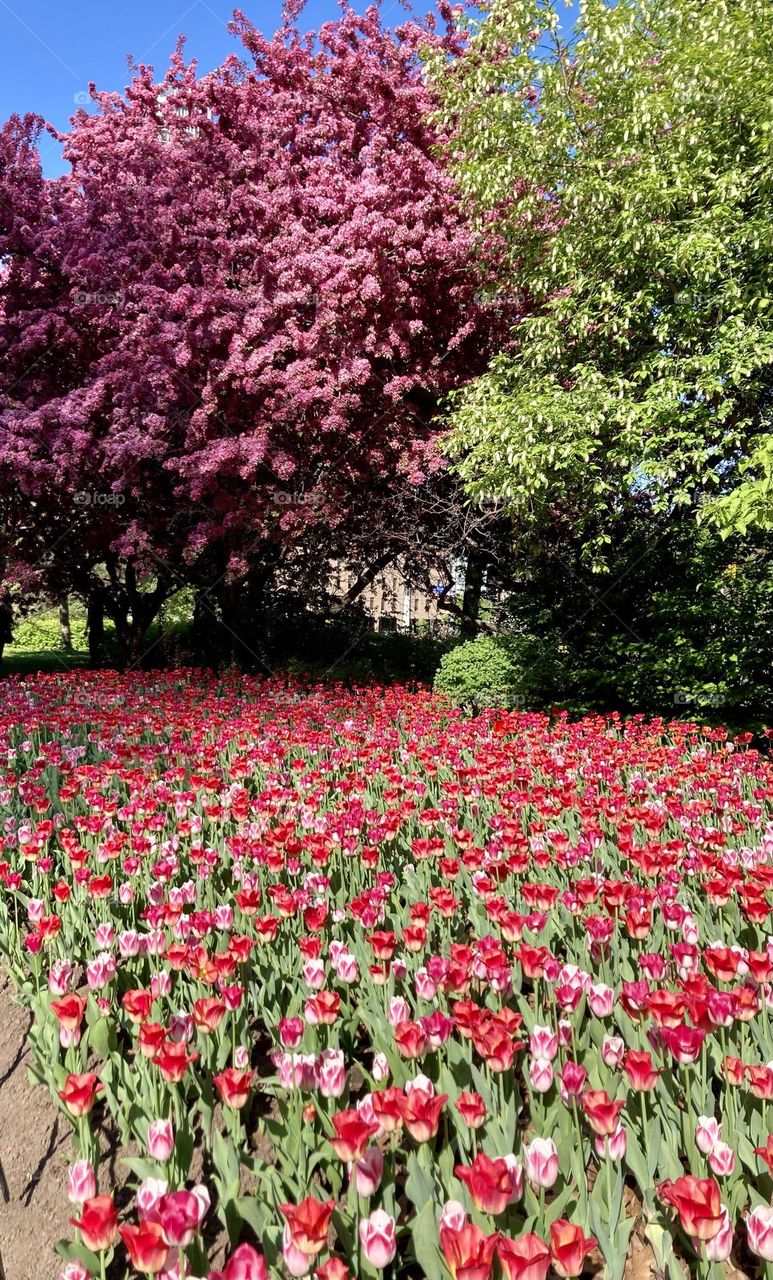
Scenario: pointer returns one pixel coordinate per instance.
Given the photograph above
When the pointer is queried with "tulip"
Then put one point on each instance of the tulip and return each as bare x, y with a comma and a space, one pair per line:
148, 1195
613, 1050
641, 1072
352, 1135
245, 1263
453, 1215
424, 985
471, 1108
333, 1269
489, 1183
541, 1162
601, 1111
720, 1246
146, 1247
368, 1171
569, 1247
233, 1087
420, 1111
307, 1224
379, 1238
81, 1182
160, 1140
387, 1105
380, 1070
331, 1073
291, 1032
79, 1093
722, 1160
697, 1201
759, 1232
98, 1223
314, 974
60, 977
467, 1251
543, 1043
398, 1011
527, 1258
601, 1000
347, 969
69, 1011
684, 1043
572, 1081
208, 1013
515, 1169
179, 1213
541, 1074
613, 1146
297, 1262
173, 1061
410, 1039
75, 1271
766, 1153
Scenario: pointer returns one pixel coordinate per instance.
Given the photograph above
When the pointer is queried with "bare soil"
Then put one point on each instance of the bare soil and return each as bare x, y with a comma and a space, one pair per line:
34, 1153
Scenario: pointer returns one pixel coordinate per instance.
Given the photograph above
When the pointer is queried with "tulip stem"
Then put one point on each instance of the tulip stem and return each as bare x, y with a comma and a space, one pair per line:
612, 1225
644, 1140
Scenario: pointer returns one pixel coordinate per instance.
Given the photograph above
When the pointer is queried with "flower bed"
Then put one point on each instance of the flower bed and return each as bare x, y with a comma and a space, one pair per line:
415, 993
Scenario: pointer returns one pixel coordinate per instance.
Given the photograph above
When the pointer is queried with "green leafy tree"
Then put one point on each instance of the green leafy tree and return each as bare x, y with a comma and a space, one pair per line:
628, 164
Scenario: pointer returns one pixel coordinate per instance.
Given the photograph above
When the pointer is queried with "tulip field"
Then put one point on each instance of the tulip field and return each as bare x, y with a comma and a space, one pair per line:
371, 987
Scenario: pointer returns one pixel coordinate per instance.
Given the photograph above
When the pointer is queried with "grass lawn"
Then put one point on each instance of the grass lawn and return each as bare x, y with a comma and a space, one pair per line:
27, 661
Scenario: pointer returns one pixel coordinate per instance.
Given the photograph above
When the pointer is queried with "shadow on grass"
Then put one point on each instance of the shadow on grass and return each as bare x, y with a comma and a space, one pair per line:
28, 661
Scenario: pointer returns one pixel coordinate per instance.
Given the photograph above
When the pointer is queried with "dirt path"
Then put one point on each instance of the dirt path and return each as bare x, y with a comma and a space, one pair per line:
34, 1151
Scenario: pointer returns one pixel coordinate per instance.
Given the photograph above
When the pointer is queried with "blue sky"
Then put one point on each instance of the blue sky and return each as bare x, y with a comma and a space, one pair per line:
52, 49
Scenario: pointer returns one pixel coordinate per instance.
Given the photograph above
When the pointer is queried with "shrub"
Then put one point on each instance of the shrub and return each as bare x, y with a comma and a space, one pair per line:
506, 670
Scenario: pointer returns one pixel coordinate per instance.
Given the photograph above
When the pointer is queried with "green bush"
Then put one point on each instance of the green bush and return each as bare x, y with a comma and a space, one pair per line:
498, 671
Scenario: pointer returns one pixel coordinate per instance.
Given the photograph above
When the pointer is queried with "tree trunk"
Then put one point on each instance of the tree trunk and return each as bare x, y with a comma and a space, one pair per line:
64, 624
473, 587
243, 607
95, 625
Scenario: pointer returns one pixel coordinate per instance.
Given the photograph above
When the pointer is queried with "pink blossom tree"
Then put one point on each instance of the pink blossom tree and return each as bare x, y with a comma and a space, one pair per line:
226, 332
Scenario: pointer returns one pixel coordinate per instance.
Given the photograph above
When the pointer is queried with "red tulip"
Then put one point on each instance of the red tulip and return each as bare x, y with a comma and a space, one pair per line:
79, 1093
569, 1247
353, 1134
98, 1223
468, 1252
234, 1086
641, 1072
410, 1039
208, 1013
173, 1061
602, 1112
488, 1182
137, 1004
146, 1247
69, 1011
527, 1258
420, 1111
698, 1203
308, 1223
766, 1153
333, 1269
388, 1108
471, 1108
